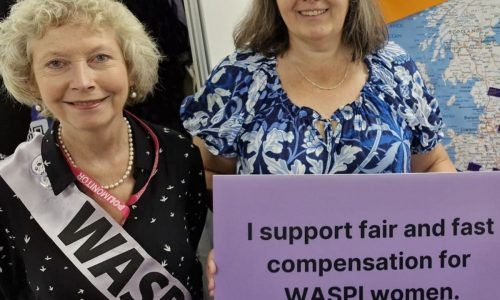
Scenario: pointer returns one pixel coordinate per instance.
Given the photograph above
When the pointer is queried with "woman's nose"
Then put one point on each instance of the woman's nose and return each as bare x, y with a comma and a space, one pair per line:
82, 77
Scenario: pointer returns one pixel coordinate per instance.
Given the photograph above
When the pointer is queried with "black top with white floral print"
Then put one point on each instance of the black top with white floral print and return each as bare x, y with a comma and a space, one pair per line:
167, 221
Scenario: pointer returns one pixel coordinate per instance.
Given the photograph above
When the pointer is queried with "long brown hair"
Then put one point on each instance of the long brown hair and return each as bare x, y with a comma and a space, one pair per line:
263, 30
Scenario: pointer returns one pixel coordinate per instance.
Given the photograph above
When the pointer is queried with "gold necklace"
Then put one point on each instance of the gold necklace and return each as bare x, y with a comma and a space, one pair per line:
329, 88
130, 156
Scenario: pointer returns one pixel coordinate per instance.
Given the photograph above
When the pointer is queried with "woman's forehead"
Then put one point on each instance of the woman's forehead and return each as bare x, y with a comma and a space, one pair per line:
74, 38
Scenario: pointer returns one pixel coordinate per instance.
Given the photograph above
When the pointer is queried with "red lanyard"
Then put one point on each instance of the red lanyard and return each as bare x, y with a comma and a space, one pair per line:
102, 194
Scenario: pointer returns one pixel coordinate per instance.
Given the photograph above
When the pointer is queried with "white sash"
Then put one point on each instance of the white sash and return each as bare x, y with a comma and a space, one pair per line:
98, 246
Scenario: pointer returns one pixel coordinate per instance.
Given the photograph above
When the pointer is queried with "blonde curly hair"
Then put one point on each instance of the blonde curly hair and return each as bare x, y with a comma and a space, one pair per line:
30, 19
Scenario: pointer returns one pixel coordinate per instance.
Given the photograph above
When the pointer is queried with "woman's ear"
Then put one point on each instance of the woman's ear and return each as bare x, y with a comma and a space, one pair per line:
132, 94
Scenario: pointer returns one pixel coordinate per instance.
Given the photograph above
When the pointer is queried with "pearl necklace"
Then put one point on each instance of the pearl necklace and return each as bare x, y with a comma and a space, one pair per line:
328, 88
130, 156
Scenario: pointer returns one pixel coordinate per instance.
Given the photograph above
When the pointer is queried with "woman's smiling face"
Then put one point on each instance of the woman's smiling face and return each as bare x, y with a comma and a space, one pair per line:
314, 20
80, 75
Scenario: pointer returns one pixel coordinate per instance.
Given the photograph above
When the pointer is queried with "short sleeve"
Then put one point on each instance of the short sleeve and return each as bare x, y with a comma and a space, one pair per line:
217, 112
418, 106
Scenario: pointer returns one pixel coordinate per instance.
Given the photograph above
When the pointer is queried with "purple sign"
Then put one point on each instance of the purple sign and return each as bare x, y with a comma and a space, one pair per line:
400, 236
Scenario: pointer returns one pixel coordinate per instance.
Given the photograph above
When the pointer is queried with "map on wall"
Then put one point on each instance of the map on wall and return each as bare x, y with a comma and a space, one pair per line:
456, 46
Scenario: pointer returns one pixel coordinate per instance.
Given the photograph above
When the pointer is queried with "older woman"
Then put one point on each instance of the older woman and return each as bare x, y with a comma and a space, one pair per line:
314, 87
105, 205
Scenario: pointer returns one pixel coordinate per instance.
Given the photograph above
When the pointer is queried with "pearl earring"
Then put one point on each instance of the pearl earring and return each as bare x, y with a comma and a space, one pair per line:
133, 94
38, 108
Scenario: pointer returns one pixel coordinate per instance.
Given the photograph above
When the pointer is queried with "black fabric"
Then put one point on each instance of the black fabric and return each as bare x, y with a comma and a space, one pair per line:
167, 222
14, 124
14, 118
162, 21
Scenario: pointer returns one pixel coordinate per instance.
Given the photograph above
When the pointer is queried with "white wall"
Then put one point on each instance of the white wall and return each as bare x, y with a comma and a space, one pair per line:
219, 18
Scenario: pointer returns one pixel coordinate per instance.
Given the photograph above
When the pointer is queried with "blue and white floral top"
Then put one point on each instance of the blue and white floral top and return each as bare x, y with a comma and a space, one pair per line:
244, 112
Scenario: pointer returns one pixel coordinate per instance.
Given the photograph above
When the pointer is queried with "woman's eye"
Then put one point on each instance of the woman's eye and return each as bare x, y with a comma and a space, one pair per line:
101, 58
55, 64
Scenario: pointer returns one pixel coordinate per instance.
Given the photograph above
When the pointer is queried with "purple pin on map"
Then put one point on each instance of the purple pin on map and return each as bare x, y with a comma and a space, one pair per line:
494, 92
